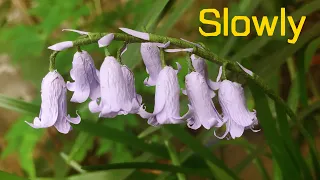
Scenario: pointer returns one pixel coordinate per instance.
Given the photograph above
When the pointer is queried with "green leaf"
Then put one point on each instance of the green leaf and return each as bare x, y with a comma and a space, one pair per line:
256, 44
309, 110
123, 137
174, 16
153, 166
174, 158
18, 105
131, 58
310, 52
292, 148
5, 175
272, 136
265, 66
246, 8
198, 148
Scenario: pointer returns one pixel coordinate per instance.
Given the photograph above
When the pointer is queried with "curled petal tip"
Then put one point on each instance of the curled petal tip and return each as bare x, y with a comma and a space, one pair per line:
77, 31
105, 40
219, 74
61, 46
179, 50
124, 50
245, 70
141, 35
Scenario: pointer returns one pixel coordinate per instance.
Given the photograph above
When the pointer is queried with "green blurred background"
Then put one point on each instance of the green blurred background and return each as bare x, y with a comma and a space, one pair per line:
279, 151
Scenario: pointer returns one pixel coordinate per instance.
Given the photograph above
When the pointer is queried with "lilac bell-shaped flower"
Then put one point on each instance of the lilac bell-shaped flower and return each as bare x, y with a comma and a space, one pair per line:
114, 93
150, 53
130, 93
201, 108
235, 112
86, 78
167, 108
53, 110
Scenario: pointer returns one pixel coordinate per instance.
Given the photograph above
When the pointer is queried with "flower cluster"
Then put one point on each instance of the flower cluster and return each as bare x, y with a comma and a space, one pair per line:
112, 91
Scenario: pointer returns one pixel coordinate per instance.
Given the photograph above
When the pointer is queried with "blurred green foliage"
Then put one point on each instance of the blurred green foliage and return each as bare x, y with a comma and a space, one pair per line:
127, 140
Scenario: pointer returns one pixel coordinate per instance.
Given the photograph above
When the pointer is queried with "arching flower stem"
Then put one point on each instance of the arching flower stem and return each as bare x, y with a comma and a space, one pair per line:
208, 55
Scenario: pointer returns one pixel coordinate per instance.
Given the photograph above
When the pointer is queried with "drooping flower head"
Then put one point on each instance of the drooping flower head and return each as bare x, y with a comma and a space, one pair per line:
166, 108
234, 108
53, 110
114, 96
235, 111
130, 93
201, 108
86, 78
150, 53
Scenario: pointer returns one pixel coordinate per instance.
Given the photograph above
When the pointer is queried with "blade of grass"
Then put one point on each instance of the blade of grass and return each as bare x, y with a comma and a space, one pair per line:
149, 22
153, 166
272, 137
246, 8
106, 132
254, 45
265, 66
18, 105
292, 148
174, 16
5, 175
174, 158
198, 148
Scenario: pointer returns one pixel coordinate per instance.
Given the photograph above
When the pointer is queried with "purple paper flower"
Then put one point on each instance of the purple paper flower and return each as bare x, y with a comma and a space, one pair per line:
115, 96
167, 108
53, 110
86, 78
201, 108
235, 112
150, 53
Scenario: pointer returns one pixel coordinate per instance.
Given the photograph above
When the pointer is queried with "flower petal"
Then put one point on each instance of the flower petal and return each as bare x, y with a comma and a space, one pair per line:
143, 113
141, 35
71, 86
225, 133
213, 85
193, 124
153, 121
75, 120
63, 126
236, 130
94, 107
179, 50
106, 40
61, 46
246, 70
219, 74
77, 31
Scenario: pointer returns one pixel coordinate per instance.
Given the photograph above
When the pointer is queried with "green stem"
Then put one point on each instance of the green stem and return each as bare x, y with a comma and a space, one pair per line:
224, 71
163, 61
231, 65
174, 158
120, 50
52, 60
190, 66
